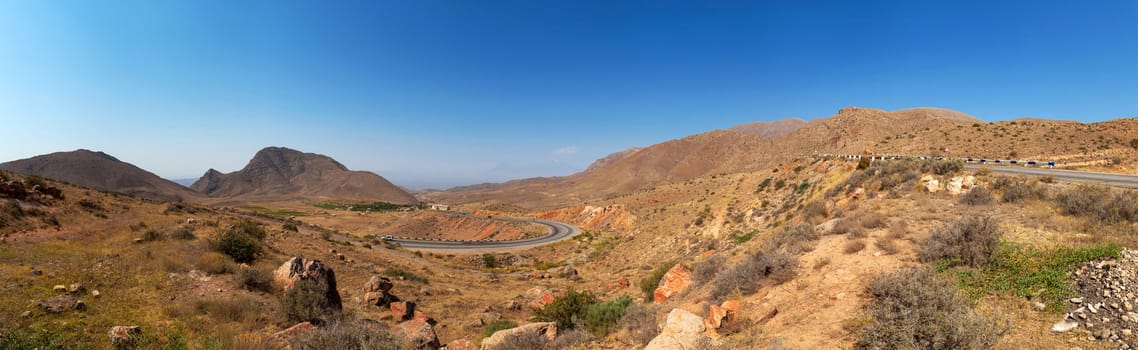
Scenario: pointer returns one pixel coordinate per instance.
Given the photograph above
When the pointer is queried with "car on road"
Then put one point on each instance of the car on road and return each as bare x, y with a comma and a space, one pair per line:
387, 238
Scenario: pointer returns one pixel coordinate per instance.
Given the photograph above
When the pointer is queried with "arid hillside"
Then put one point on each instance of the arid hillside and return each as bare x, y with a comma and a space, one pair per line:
770, 129
100, 171
277, 173
852, 130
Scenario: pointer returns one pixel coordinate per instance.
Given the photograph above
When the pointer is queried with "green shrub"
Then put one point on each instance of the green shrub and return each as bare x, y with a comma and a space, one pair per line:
489, 261
763, 185
290, 226
495, 326
356, 335
648, 284
970, 241
863, 163
600, 318
242, 247
916, 309
566, 309
740, 238
307, 301
20, 339
778, 185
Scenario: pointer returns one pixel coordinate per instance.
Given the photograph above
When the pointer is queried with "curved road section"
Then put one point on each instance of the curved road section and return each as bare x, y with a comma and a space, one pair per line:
1119, 180
559, 231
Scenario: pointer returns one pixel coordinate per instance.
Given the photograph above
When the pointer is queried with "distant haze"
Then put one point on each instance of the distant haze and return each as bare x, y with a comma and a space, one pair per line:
436, 94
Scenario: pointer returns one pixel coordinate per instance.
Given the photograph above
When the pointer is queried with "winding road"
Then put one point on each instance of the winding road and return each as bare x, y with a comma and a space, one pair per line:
1119, 180
558, 231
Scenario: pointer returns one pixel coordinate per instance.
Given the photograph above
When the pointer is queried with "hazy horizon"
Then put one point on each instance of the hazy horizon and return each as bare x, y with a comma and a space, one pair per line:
438, 94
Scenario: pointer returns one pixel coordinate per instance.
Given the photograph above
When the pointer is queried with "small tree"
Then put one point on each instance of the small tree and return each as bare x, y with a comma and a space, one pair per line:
565, 309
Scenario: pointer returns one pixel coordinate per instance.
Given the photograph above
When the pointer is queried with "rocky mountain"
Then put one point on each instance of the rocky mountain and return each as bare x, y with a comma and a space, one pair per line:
100, 171
277, 173
746, 147
770, 129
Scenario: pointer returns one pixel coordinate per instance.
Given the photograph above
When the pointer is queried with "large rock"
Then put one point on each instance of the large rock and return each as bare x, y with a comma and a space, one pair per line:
124, 336
682, 330
403, 310
675, 281
377, 291
298, 268
960, 184
417, 334
57, 303
931, 183
543, 296
718, 315
545, 330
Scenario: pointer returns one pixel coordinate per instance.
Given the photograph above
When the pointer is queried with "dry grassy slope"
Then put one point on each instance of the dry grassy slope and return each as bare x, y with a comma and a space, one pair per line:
277, 173
770, 129
852, 130
1070, 144
101, 171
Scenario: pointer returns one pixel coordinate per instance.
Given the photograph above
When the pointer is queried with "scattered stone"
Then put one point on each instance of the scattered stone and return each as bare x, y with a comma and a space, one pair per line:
567, 272
674, 282
26, 314
95, 293
1077, 300
59, 288
461, 344
75, 288
1064, 326
1039, 306
540, 329
80, 305
124, 336
512, 305
377, 291
417, 334
57, 304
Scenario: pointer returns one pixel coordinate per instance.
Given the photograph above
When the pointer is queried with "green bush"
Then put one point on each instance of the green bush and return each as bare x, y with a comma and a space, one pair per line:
307, 301
495, 326
970, 241
600, 318
648, 284
290, 226
566, 310
763, 185
240, 246
917, 309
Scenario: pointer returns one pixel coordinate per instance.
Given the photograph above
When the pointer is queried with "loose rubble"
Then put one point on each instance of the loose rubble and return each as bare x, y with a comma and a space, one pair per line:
1104, 308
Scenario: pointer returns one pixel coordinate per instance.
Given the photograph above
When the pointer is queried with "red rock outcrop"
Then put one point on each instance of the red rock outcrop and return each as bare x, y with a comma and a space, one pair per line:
674, 281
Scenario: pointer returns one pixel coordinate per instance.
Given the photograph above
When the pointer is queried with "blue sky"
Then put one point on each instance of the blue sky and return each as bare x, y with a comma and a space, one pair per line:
441, 93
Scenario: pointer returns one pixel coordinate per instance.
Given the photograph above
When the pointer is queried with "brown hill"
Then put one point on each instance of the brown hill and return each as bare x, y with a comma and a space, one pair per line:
100, 171
277, 173
770, 129
852, 130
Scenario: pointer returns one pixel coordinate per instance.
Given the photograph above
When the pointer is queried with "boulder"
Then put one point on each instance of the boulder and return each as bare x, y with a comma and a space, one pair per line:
546, 330
931, 183
403, 310
960, 184
377, 291
675, 281
461, 344
618, 284
57, 304
295, 330
417, 334
298, 268
124, 336
718, 315
567, 272
682, 330
75, 288
547, 296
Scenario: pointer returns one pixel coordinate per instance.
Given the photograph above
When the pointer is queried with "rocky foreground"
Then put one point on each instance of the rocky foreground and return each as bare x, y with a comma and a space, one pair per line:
1104, 309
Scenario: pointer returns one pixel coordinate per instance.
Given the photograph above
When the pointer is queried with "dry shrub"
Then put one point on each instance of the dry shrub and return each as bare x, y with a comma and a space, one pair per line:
1020, 190
255, 280
970, 241
1098, 203
356, 334
774, 266
917, 309
523, 341
571, 339
707, 270
887, 246
183, 233
640, 322
898, 229
240, 308
820, 263
873, 221
843, 226
215, 263
977, 196
853, 246
307, 301
797, 238
815, 212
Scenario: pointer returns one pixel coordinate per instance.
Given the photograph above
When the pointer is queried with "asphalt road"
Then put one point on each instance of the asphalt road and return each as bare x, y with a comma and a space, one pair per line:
558, 231
1070, 175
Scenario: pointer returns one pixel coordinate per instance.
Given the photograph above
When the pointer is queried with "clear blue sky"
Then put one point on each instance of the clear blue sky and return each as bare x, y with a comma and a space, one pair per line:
440, 93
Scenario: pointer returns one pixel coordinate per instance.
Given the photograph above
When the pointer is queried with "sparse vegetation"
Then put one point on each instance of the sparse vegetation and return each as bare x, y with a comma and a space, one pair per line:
970, 241
602, 317
1099, 203
706, 270
978, 195
1029, 272
917, 309
853, 246
766, 266
290, 226
640, 322
242, 242
372, 206
280, 213
255, 280
567, 310
498, 325
404, 274
740, 238
763, 185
